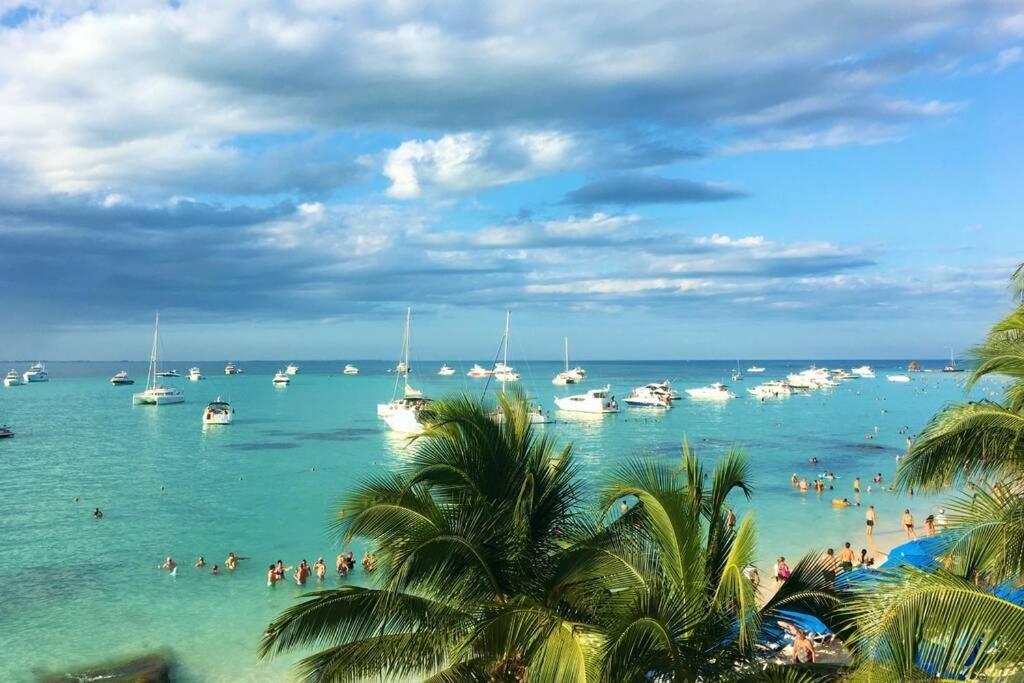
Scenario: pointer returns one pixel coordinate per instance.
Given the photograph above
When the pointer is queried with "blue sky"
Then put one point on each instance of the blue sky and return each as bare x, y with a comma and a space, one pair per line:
652, 179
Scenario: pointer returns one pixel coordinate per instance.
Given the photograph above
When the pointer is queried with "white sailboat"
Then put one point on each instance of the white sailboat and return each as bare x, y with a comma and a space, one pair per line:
402, 413
156, 394
567, 376
505, 372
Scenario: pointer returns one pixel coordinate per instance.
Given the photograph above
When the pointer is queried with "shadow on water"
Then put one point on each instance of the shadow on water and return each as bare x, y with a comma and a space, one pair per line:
283, 446
341, 434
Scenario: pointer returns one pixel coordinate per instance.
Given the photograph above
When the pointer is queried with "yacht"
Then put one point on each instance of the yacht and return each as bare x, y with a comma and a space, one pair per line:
594, 401
567, 376
863, 371
12, 379
168, 373
811, 378
36, 373
281, 379
156, 394
898, 378
292, 369
402, 414
121, 379
713, 392
755, 370
446, 371
350, 370
478, 371
195, 375
232, 369
218, 412
771, 389
843, 375
5, 432
648, 396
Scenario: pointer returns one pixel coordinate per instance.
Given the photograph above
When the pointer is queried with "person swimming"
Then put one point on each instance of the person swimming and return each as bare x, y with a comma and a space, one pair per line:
201, 562
232, 562
844, 503
170, 566
97, 514
215, 570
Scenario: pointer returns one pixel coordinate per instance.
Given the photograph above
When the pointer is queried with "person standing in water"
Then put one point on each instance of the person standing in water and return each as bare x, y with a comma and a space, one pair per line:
869, 517
320, 568
231, 562
856, 485
271, 576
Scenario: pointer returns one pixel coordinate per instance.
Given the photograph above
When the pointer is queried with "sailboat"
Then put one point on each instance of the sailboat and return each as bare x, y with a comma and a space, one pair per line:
503, 372
156, 394
952, 364
567, 376
738, 375
402, 413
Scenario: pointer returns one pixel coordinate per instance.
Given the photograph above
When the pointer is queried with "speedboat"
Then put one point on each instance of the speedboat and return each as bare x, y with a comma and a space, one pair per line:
281, 379
232, 369
36, 373
446, 371
648, 396
156, 394
5, 432
478, 371
12, 379
121, 379
771, 389
218, 413
350, 370
753, 370
712, 392
594, 401
843, 375
402, 368
506, 375
292, 369
863, 371
898, 378
168, 373
195, 375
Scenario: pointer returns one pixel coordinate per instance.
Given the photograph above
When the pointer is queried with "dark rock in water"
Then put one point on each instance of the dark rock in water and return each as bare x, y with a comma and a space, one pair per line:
151, 668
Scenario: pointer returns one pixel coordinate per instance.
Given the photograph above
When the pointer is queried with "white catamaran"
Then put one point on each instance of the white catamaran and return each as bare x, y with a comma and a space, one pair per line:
156, 394
567, 376
402, 414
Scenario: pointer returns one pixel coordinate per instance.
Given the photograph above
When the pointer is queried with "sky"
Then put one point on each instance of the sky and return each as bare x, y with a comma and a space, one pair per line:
651, 179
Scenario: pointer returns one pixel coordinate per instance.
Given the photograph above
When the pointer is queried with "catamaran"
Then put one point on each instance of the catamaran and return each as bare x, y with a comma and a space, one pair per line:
567, 376
402, 414
503, 372
952, 364
156, 394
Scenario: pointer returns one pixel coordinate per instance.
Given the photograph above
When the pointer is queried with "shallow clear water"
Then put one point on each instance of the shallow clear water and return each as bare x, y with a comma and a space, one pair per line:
74, 590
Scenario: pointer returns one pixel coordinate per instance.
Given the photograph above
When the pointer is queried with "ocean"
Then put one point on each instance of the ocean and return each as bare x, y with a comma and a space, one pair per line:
75, 590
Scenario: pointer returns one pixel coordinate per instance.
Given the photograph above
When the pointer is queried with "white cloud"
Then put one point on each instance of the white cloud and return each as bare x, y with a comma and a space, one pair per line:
464, 162
1008, 57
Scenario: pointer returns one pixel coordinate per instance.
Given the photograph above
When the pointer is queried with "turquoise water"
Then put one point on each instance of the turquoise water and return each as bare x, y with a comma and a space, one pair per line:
74, 589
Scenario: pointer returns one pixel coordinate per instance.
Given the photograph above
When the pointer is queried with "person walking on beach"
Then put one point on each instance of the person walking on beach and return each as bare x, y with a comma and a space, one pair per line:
830, 566
929, 525
908, 524
846, 557
780, 572
869, 517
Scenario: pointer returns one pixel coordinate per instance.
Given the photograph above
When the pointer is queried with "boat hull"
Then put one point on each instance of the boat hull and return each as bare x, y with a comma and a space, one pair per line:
149, 400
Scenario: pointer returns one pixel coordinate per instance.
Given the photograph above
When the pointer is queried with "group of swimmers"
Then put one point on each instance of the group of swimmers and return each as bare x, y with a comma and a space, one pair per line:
231, 564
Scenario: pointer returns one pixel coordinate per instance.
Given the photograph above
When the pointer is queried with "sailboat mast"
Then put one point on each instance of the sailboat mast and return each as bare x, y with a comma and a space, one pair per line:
151, 375
567, 354
408, 316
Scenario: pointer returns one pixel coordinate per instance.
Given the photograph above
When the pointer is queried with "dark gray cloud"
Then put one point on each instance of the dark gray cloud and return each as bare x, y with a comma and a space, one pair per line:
639, 188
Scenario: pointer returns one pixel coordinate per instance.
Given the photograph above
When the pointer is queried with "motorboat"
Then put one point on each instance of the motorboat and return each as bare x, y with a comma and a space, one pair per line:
843, 375
648, 396
898, 378
168, 373
712, 392
755, 370
121, 379
350, 370
478, 371
232, 369
771, 389
218, 412
5, 432
811, 378
281, 379
195, 375
292, 369
36, 373
156, 394
567, 376
402, 413
13, 379
863, 371
594, 401
446, 371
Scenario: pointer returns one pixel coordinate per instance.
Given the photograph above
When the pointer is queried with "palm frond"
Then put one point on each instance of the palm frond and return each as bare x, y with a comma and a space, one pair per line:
986, 534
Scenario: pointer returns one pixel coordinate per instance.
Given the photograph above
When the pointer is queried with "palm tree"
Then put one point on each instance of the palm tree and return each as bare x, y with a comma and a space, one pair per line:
491, 570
